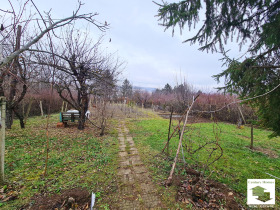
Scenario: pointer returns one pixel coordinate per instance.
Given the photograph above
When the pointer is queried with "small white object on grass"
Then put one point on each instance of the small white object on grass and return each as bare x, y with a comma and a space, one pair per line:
73, 111
92, 200
88, 114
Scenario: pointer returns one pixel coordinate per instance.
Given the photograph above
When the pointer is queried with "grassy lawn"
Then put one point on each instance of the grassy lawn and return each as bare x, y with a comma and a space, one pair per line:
76, 159
237, 164
84, 159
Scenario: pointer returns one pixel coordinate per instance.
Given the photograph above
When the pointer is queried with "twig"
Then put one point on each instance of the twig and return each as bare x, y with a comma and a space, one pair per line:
272, 176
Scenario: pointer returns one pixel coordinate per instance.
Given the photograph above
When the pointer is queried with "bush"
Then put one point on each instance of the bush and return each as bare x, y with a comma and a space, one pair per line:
45, 97
226, 109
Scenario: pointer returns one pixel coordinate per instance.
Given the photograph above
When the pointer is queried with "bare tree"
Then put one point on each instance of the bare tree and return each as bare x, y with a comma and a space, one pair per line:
142, 97
183, 94
80, 70
17, 37
16, 18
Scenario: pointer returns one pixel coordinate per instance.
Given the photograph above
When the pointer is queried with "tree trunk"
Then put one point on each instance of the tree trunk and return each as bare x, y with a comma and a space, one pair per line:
103, 126
84, 108
82, 120
9, 117
1, 85
13, 84
21, 119
23, 107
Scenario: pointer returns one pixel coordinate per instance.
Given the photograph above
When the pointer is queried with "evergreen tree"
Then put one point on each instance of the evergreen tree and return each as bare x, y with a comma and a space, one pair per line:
256, 21
126, 89
167, 89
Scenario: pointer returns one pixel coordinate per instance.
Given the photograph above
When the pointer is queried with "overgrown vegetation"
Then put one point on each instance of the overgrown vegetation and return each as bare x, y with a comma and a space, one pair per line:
76, 159
237, 164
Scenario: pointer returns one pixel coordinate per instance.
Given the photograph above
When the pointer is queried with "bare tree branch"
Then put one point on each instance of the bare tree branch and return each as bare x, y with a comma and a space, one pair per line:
57, 24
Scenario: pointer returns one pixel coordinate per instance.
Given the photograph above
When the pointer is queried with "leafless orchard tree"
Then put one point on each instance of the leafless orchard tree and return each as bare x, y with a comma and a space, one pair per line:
13, 79
104, 91
17, 36
80, 69
142, 97
183, 97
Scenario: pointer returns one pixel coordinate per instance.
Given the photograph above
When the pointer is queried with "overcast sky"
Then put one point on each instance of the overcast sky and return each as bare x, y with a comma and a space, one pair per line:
153, 57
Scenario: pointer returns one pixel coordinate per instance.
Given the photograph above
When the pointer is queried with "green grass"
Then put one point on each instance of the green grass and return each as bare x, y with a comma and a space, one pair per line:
76, 159
237, 164
84, 159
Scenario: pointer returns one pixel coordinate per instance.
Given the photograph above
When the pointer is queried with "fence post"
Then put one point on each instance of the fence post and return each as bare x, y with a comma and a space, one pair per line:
2, 143
252, 136
241, 114
62, 107
41, 107
66, 104
28, 110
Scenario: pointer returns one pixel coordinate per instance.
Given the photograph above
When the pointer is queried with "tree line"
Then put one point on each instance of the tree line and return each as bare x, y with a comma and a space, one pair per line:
178, 98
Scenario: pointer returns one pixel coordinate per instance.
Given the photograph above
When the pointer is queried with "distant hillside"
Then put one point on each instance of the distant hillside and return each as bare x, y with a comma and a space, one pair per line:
148, 89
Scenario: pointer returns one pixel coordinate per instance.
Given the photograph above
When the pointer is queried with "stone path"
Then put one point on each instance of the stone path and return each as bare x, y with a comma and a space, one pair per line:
136, 190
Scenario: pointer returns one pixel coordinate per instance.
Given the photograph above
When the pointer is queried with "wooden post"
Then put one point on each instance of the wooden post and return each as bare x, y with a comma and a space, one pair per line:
41, 107
241, 114
28, 110
169, 180
62, 107
2, 143
168, 139
252, 136
66, 104
211, 113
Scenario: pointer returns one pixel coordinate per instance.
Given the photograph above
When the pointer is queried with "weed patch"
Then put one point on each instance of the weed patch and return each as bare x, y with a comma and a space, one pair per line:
77, 159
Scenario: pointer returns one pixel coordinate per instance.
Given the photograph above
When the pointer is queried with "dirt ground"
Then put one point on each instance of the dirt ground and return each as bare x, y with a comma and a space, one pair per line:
203, 193
268, 152
76, 198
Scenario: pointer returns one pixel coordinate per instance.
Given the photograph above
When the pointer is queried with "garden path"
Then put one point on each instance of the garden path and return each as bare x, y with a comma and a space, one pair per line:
136, 189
